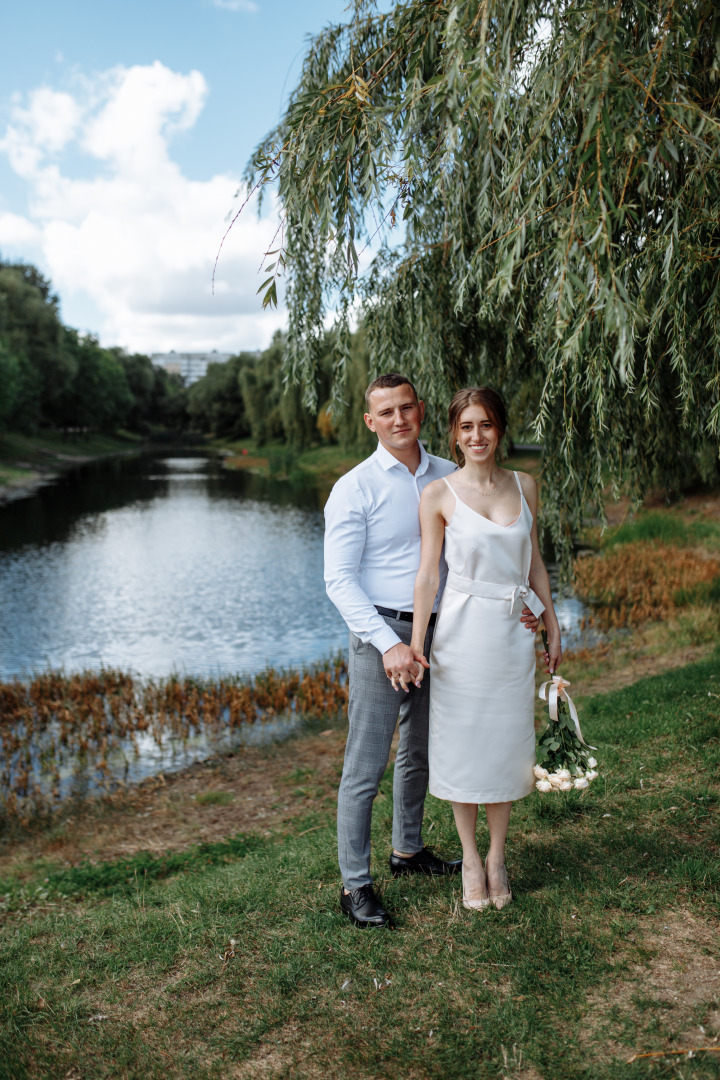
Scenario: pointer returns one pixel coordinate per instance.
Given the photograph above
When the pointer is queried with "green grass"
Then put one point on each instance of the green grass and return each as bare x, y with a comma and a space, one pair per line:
128, 969
11, 474
29, 446
214, 798
667, 526
23, 456
285, 463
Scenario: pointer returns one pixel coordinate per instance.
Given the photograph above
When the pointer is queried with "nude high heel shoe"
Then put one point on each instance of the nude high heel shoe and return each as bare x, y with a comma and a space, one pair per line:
502, 899
473, 905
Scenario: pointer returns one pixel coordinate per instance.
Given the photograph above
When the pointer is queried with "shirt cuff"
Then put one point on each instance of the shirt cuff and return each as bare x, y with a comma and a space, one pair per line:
385, 639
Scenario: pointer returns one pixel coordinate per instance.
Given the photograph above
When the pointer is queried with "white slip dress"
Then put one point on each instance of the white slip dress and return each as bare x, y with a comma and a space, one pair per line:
482, 662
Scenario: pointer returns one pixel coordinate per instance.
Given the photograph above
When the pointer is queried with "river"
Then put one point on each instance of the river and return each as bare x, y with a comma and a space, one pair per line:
169, 563
162, 564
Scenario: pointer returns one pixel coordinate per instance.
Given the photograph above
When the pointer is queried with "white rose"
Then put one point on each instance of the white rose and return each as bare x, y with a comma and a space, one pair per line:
564, 774
554, 779
592, 762
540, 773
590, 775
543, 785
566, 785
581, 782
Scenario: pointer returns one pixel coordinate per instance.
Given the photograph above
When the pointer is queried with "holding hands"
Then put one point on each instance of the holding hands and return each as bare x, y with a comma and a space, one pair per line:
403, 666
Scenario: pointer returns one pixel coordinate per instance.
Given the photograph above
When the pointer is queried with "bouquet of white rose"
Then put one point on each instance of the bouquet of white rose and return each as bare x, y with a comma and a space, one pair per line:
565, 762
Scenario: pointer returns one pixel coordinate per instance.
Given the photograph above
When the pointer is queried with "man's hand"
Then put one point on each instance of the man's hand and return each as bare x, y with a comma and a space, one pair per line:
400, 666
529, 620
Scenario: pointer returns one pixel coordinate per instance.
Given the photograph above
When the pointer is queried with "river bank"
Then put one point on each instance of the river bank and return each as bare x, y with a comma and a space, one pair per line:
29, 462
321, 465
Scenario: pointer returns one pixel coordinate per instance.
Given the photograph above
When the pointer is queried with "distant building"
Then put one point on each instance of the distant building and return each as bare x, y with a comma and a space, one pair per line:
191, 365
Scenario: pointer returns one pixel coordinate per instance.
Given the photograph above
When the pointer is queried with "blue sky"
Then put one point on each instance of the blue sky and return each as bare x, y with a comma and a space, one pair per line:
124, 130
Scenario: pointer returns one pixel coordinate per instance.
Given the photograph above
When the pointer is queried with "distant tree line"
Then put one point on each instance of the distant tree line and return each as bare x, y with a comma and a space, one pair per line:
249, 396
53, 376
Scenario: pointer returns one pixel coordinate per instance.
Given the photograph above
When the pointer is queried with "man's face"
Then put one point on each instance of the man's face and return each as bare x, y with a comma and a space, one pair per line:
395, 416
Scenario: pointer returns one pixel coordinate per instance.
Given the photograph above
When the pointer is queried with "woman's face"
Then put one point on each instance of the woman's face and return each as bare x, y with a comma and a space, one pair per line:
477, 435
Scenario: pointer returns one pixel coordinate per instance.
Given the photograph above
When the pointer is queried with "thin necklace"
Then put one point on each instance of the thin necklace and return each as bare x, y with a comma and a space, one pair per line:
486, 494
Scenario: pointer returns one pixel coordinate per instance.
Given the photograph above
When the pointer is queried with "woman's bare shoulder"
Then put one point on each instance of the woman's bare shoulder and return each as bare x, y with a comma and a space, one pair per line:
434, 491
527, 482
529, 488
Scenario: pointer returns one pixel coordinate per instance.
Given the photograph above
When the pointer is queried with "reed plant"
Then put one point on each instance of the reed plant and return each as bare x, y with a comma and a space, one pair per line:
56, 726
643, 580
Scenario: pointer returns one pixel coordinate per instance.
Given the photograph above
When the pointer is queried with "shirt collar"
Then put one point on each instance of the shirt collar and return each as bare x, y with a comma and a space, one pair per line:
388, 460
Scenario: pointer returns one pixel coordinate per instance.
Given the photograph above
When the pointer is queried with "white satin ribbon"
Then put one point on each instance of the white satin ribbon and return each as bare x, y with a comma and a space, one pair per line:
529, 599
557, 689
492, 590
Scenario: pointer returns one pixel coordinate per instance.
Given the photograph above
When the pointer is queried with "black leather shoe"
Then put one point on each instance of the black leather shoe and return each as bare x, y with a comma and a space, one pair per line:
423, 862
364, 908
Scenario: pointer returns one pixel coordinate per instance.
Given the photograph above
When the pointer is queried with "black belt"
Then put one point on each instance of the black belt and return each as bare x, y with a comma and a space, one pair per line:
403, 616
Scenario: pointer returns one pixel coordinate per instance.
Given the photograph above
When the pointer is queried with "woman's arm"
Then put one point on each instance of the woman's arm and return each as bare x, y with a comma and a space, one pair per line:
539, 580
432, 529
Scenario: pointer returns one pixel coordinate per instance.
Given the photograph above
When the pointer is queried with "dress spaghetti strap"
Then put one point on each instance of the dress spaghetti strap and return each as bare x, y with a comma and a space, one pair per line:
457, 497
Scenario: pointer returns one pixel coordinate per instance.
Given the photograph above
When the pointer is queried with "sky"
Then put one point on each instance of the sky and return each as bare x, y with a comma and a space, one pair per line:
124, 132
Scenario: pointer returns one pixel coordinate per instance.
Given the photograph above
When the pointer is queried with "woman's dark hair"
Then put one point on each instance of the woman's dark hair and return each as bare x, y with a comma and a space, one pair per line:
491, 402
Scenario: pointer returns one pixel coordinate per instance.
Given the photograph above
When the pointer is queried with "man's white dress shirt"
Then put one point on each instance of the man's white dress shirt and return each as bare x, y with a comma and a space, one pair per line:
372, 541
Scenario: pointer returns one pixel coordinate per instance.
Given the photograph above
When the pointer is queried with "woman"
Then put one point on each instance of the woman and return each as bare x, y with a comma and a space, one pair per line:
482, 737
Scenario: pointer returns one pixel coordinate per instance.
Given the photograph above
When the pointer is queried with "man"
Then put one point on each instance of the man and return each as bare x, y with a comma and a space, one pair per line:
372, 552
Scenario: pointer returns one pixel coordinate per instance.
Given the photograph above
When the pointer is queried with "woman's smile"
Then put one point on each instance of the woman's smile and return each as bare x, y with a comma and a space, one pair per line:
476, 434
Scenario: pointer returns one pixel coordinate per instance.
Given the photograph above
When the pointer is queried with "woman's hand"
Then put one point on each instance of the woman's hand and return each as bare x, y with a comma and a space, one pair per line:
400, 666
553, 654
419, 658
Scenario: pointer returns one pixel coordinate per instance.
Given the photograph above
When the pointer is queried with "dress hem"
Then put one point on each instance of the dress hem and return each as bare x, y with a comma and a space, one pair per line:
449, 795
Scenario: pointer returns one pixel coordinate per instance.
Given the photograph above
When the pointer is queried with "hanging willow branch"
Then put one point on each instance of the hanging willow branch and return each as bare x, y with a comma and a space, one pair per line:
552, 171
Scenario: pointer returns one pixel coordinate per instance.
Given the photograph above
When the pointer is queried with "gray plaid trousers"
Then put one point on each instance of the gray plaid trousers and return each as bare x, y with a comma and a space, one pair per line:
373, 711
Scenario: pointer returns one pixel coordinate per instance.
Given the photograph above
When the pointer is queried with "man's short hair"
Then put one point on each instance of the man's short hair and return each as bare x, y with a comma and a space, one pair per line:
388, 382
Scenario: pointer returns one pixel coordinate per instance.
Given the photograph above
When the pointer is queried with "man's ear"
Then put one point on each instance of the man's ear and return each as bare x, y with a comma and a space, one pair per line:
369, 422
421, 407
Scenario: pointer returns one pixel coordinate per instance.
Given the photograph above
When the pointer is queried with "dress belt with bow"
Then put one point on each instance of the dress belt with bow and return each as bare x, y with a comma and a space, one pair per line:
491, 590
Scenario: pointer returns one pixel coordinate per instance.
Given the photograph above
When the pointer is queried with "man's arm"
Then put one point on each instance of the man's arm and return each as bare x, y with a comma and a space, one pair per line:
345, 536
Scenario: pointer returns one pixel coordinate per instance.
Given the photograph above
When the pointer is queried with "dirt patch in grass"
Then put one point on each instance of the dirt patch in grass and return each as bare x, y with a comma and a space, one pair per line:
257, 790
704, 504
669, 1001
289, 1053
651, 650
247, 461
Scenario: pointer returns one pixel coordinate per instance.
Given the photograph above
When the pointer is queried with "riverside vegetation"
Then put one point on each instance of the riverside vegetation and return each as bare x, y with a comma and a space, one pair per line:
57, 723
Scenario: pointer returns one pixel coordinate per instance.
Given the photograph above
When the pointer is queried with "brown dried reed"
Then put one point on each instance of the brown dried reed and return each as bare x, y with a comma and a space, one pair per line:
638, 582
58, 725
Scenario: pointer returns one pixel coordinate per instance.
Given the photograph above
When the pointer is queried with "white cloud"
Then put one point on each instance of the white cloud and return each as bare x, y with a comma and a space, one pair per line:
236, 5
133, 235
45, 127
18, 232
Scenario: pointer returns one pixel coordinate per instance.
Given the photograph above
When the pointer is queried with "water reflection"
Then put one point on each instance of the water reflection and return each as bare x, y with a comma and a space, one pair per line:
161, 565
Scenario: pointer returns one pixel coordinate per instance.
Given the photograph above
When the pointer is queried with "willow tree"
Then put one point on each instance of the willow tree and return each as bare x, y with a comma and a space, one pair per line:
518, 191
